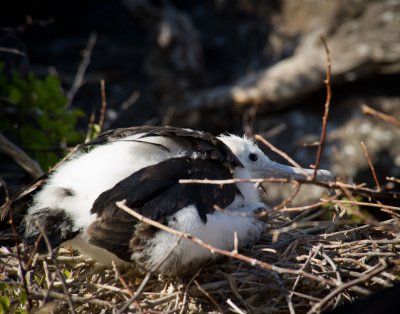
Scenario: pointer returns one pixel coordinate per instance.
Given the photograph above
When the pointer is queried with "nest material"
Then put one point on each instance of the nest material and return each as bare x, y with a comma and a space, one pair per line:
343, 261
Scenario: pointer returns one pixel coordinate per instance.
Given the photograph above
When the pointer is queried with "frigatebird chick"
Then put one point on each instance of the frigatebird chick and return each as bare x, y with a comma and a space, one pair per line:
76, 203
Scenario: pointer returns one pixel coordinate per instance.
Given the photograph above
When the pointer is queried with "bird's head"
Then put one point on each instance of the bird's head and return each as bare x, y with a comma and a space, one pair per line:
260, 166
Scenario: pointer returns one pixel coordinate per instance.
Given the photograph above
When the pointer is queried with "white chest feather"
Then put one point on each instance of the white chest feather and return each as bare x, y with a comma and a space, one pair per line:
87, 175
219, 231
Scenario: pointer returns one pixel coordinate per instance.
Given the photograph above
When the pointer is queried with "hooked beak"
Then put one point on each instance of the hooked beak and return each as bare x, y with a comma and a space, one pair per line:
276, 170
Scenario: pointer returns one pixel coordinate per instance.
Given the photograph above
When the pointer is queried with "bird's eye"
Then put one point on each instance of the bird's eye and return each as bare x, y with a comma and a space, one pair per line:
253, 157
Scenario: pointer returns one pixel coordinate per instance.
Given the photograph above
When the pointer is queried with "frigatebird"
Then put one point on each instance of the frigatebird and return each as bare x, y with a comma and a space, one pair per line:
76, 203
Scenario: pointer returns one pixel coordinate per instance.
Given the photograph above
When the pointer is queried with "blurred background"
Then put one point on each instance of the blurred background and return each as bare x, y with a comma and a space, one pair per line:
237, 66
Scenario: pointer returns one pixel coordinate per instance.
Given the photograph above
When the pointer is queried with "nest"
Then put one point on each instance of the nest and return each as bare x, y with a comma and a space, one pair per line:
316, 260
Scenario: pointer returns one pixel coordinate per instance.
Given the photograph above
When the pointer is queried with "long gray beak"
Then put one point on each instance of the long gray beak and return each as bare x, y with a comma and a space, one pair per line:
276, 170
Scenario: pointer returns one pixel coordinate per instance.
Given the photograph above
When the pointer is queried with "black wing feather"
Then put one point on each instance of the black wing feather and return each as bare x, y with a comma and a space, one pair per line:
198, 141
155, 192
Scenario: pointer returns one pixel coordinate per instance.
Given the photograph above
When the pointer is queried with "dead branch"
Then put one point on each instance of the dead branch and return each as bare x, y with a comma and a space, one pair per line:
27, 163
360, 189
280, 153
63, 297
362, 204
380, 267
103, 104
80, 74
57, 269
11, 50
380, 115
148, 275
371, 166
327, 82
213, 250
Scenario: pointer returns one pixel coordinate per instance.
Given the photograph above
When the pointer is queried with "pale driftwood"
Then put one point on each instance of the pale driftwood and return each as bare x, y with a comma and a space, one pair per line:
360, 47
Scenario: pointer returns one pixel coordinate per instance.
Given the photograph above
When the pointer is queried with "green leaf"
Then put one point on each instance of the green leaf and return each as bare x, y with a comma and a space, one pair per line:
39, 119
67, 273
23, 298
4, 304
15, 96
38, 279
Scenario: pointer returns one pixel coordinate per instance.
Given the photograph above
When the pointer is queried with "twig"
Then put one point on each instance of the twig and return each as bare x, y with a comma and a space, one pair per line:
148, 275
121, 279
393, 179
3, 184
290, 198
87, 53
103, 104
185, 294
371, 166
292, 292
303, 208
327, 82
234, 307
202, 290
362, 204
318, 306
12, 50
57, 269
49, 280
308, 297
22, 271
63, 297
280, 153
363, 227
330, 185
213, 250
10, 149
372, 112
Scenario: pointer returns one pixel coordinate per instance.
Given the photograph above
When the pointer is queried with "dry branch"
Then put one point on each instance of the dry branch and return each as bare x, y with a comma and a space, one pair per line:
380, 115
327, 82
213, 250
80, 74
10, 149
371, 166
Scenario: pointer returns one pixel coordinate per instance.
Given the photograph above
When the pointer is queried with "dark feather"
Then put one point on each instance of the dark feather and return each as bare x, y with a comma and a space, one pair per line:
201, 142
15, 210
156, 193
57, 225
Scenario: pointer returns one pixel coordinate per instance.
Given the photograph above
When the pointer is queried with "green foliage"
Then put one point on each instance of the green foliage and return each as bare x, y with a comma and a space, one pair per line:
93, 130
33, 113
4, 304
8, 293
67, 273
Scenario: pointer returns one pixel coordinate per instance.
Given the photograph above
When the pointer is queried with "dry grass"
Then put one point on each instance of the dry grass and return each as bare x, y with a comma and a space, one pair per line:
346, 258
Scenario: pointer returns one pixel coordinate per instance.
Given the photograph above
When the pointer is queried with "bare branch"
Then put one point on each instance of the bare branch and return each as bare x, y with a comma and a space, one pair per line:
280, 153
26, 162
371, 166
213, 250
80, 74
378, 269
327, 82
362, 204
375, 113
103, 104
57, 269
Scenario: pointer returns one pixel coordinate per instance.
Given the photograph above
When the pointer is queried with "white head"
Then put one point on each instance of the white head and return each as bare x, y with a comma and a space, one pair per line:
260, 166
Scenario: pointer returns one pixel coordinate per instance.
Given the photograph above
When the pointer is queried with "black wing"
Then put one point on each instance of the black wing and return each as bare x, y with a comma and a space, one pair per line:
156, 193
201, 142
